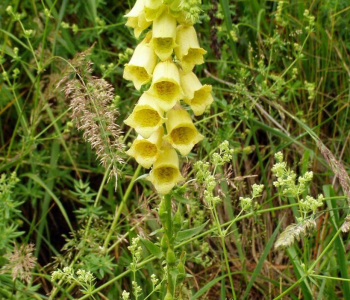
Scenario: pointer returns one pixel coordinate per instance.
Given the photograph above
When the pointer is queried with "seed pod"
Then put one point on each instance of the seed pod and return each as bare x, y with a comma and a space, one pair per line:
170, 257
164, 243
168, 296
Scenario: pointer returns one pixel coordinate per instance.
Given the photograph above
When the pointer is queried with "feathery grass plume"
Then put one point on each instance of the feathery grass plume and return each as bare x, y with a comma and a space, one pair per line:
90, 99
20, 262
294, 232
340, 172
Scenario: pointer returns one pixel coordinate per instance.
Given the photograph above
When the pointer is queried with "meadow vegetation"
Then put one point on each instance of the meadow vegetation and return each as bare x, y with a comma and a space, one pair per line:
260, 206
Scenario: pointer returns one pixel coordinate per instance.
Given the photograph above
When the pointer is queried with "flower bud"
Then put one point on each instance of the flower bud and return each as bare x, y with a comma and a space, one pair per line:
146, 151
141, 65
146, 117
182, 134
165, 172
188, 50
164, 243
164, 35
170, 257
137, 19
166, 85
198, 96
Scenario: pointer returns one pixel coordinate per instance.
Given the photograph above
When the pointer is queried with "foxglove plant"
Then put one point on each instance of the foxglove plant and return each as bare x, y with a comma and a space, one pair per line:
166, 57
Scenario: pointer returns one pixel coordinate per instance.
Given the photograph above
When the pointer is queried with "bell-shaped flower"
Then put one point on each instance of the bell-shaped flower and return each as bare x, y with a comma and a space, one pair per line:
146, 151
166, 85
164, 35
146, 117
141, 65
188, 50
165, 172
182, 134
196, 95
137, 19
153, 9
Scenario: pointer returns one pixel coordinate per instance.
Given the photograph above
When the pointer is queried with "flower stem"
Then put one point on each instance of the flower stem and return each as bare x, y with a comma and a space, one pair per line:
119, 209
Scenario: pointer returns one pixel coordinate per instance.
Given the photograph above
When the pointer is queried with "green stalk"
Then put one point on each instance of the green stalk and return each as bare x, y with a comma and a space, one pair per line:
169, 231
222, 236
119, 209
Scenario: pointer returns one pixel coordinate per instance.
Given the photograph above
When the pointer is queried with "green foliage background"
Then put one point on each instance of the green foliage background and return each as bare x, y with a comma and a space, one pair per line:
279, 81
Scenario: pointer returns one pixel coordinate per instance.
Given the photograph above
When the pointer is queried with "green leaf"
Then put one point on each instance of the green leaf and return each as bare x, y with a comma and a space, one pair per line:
153, 248
207, 287
185, 234
261, 260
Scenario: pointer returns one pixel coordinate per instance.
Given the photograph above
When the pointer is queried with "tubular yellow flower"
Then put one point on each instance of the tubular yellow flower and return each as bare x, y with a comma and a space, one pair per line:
164, 35
146, 151
141, 65
137, 19
165, 172
166, 85
182, 134
153, 9
198, 96
188, 50
146, 117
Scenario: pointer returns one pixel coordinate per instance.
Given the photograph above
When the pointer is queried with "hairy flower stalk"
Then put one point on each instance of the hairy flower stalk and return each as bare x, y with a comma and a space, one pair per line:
166, 58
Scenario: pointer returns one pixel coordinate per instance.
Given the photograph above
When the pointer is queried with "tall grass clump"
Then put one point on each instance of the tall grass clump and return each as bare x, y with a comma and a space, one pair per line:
172, 149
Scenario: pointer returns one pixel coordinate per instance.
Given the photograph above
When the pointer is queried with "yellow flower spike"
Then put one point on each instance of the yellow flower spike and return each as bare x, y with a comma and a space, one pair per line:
141, 65
165, 173
166, 85
153, 9
188, 50
198, 96
182, 134
164, 35
137, 19
146, 151
146, 117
